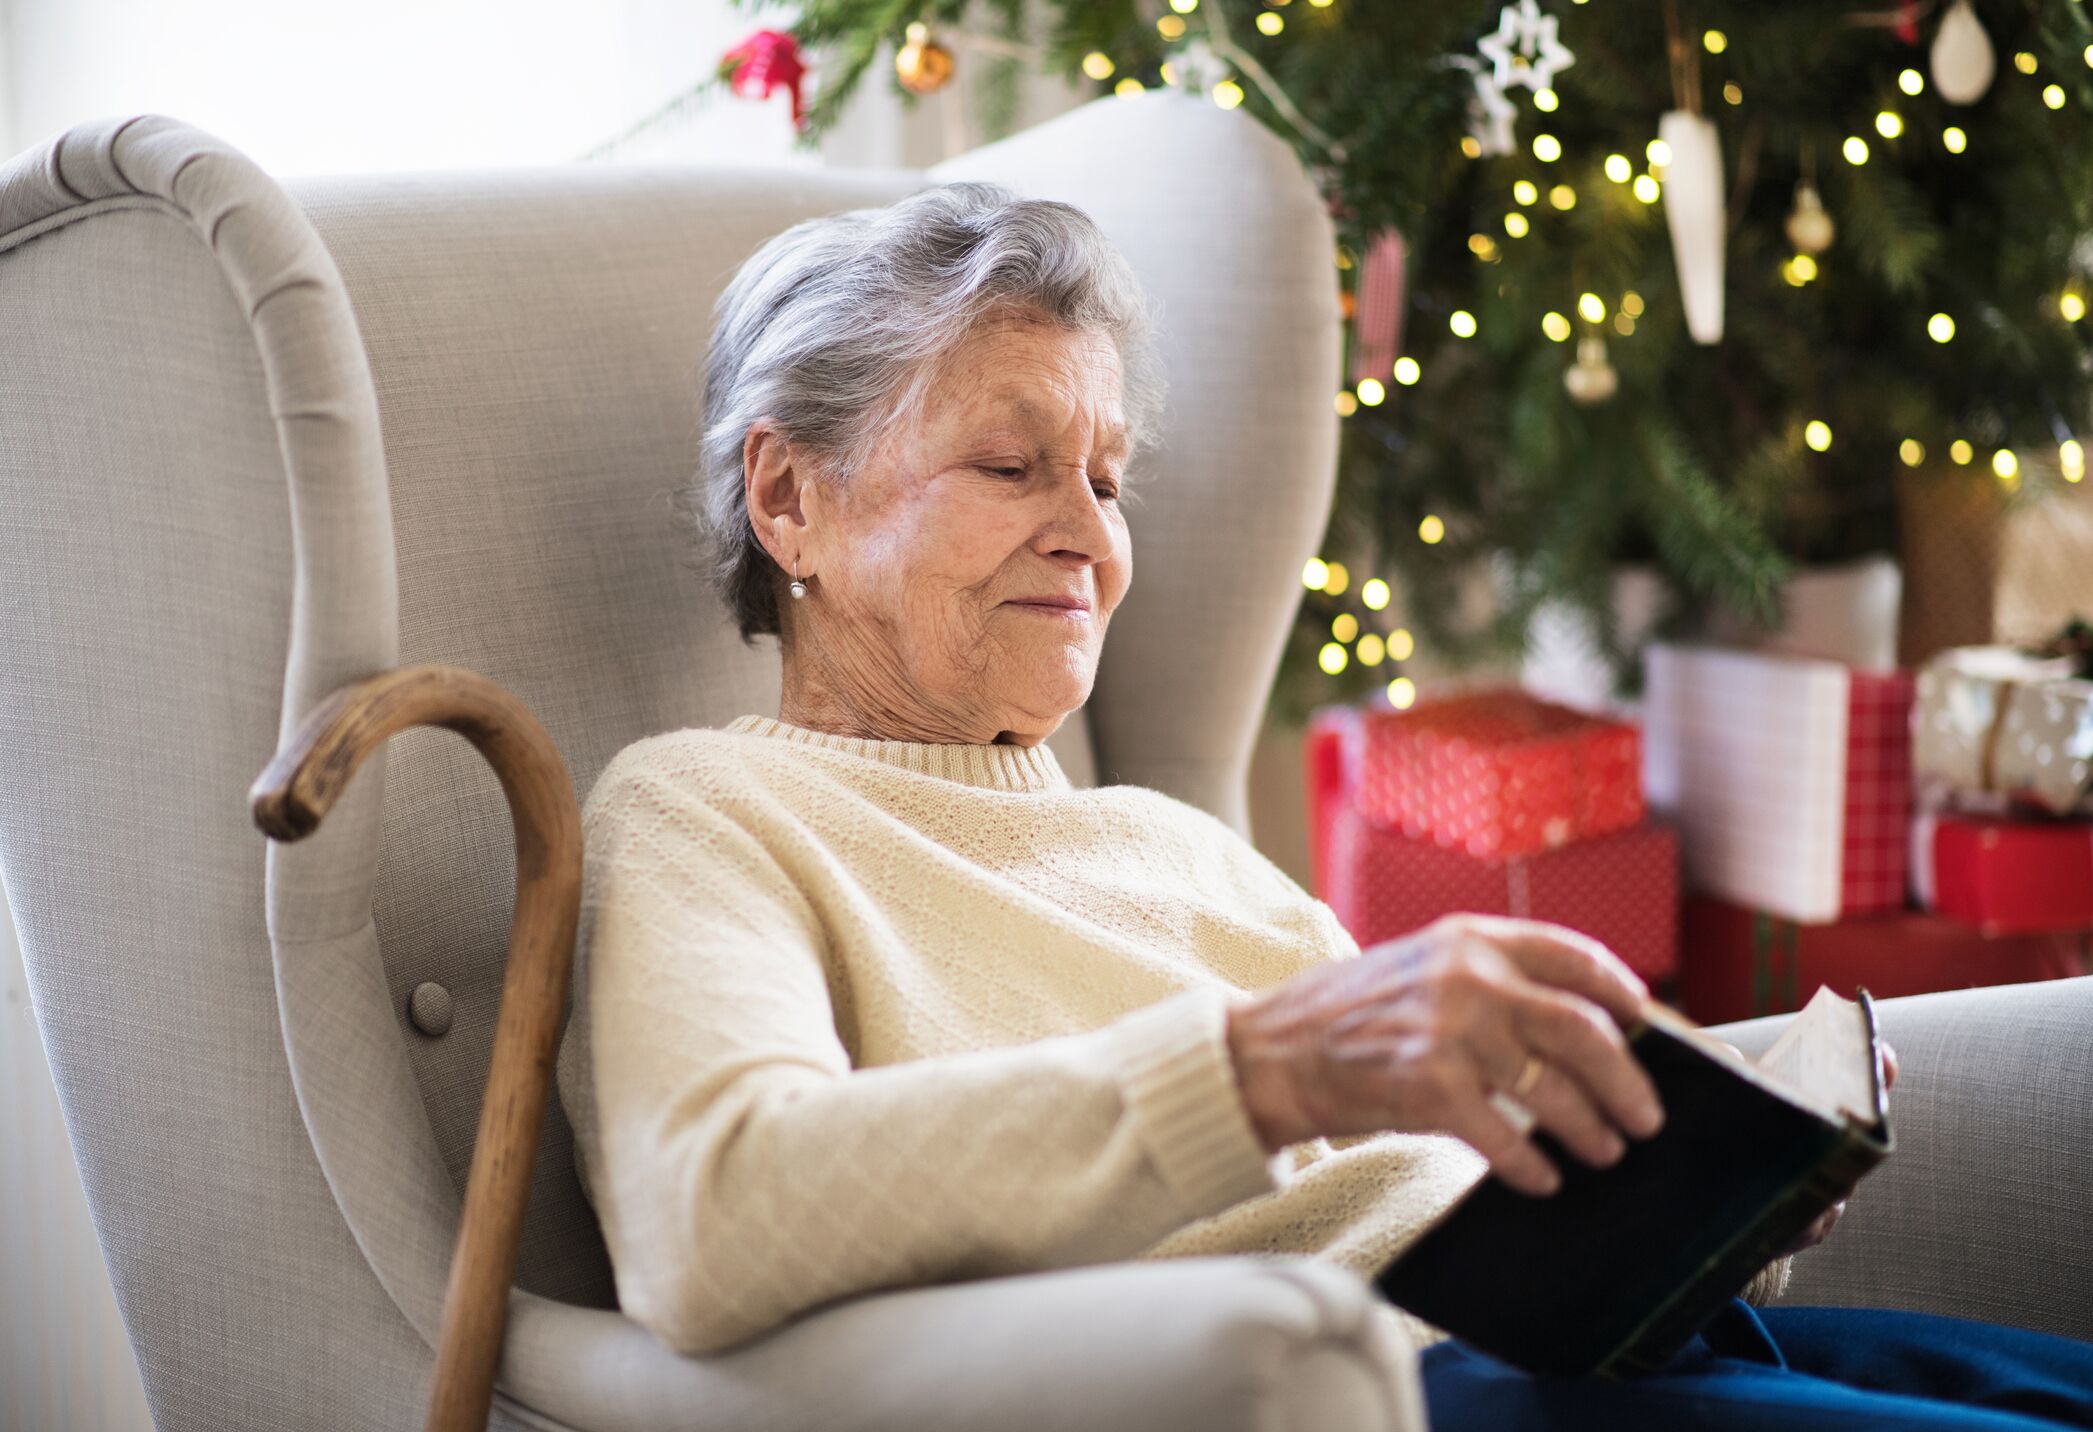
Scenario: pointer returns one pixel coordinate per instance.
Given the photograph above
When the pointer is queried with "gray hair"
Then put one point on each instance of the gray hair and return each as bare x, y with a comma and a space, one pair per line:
833, 328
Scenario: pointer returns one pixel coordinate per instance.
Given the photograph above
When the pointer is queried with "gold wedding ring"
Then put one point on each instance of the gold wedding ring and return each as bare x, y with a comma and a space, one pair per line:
1506, 1102
1529, 1075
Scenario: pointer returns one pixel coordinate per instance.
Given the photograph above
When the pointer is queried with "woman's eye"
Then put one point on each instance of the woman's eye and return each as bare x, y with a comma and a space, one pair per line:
1005, 471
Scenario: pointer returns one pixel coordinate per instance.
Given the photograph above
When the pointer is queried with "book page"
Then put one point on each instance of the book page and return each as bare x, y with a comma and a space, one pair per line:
1825, 1054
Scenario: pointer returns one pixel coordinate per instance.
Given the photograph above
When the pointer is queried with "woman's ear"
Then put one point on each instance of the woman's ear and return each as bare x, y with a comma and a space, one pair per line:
771, 482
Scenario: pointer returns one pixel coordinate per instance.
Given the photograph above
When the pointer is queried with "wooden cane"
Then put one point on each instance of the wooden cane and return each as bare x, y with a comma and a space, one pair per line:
289, 801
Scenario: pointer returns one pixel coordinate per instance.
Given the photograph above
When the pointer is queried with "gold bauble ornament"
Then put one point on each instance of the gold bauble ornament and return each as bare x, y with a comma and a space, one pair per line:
1810, 229
922, 65
1591, 380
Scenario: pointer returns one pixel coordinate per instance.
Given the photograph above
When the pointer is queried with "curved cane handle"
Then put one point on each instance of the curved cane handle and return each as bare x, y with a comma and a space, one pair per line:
289, 801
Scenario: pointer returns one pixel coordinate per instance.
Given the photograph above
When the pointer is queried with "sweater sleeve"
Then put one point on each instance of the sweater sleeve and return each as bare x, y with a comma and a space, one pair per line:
743, 1171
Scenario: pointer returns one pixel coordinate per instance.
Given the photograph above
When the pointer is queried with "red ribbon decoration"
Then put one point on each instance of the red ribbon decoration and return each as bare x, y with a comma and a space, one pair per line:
757, 66
1377, 320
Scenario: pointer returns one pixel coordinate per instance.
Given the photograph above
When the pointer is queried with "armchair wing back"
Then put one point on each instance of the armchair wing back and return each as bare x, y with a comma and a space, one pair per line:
261, 439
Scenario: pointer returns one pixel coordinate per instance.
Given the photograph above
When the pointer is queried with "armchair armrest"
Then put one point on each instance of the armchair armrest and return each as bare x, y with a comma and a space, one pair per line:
1982, 1210
1235, 1344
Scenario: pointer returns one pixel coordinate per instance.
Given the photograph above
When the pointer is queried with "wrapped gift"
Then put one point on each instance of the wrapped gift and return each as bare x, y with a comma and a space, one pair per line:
1740, 963
1790, 778
1995, 720
1495, 773
2007, 876
1621, 889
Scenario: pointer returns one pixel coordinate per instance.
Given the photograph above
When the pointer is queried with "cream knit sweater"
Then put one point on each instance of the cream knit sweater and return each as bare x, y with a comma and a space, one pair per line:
855, 1014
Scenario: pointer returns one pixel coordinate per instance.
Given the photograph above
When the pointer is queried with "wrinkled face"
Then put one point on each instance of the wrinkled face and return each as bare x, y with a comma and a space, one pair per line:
939, 563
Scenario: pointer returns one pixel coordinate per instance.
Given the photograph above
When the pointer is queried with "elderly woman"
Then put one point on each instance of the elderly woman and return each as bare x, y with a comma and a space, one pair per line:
870, 995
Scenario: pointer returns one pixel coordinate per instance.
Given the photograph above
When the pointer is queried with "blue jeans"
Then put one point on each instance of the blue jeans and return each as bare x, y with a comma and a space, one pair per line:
1792, 1369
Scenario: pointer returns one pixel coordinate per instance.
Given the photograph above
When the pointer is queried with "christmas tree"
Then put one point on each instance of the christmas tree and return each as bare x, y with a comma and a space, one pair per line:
1697, 285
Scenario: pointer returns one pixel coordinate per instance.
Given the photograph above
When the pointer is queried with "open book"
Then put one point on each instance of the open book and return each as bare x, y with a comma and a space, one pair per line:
1616, 1270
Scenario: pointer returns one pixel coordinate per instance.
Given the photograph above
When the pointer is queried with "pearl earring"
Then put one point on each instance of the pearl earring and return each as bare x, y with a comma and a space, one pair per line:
798, 588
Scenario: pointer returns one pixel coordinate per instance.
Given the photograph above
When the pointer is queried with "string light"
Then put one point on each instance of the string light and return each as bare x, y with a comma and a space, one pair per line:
1801, 269
1129, 85
1733, 92
1526, 191
1228, 94
1401, 644
1547, 148
1912, 451
1482, 246
1371, 649
2089, 56
2071, 306
1371, 392
1631, 303
1462, 322
1618, 169
1954, 139
1315, 573
1170, 27
1432, 530
1715, 42
1345, 627
1646, 188
2071, 460
2006, 466
1407, 372
1556, 327
1515, 224
1659, 153
1623, 325
1374, 594
1562, 196
1889, 124
1817, 433
1331, 658
1591, 308
1960, 452
1471, 146
1940, 328
1337, 580
1269, 23
1855, 150
1098, 65
1346, 404
1546, 100
2024, 62
1402, 693
2053, 96
1911, 82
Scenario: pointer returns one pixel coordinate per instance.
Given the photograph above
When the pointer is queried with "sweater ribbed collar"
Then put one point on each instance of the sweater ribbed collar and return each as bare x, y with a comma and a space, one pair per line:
997, 767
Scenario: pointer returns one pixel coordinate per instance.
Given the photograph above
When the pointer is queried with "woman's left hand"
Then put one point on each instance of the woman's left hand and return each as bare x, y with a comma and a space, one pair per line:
1818, 1231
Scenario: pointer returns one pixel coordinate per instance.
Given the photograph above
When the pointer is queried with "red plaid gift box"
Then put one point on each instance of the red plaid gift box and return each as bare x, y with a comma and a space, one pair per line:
1790, 778
1620, 888
2007, 876
1495, 773
1741, 963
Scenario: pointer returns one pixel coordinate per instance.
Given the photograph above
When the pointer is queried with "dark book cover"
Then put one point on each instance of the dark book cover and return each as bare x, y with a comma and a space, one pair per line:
1617, 1270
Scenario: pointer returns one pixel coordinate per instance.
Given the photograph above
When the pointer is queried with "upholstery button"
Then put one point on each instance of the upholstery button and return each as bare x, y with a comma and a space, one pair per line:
430, 1008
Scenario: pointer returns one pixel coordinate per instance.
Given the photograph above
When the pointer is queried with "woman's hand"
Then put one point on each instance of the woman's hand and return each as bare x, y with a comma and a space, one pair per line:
1416, 1034
1817, 1232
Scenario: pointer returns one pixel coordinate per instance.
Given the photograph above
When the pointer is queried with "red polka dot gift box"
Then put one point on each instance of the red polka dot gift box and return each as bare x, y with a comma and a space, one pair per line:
1494, 773
1621, 887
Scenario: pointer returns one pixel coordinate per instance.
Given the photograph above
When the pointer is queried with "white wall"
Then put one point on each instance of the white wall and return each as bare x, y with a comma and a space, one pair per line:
309, 88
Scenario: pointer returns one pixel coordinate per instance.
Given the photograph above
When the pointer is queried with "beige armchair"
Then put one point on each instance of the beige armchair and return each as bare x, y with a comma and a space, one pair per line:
260, 441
